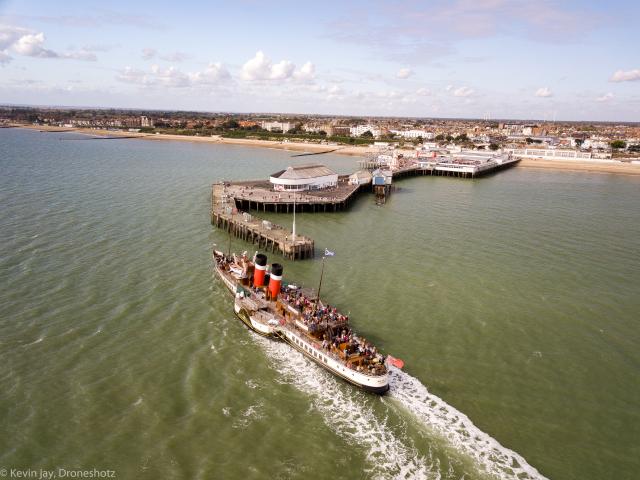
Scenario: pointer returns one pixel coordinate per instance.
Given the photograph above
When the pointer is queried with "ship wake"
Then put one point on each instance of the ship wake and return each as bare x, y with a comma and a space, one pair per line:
390, 452
349, 414
458, 431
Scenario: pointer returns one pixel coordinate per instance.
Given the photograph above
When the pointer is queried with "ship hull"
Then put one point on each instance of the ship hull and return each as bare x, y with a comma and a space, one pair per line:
374, 384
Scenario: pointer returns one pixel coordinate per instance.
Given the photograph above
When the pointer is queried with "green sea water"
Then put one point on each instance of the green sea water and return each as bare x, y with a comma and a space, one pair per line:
513, 299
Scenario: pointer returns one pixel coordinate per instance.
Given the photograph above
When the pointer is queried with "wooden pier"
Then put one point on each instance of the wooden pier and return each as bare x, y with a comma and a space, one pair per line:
266, 235
260, 196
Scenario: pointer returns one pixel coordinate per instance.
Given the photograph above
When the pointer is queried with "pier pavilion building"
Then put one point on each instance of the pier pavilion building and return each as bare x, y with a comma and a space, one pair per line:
304, 177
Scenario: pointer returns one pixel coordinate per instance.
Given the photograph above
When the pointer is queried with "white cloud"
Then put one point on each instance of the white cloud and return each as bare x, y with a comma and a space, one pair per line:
171, 77
31, 44
4, 57
175, 57
605, 98
448, 88
544, 92
257, 68
282, 70
423, 92
404, 73
261, 68
214, 73
132, 75
307, 73
148, 53
463, 92
628, 76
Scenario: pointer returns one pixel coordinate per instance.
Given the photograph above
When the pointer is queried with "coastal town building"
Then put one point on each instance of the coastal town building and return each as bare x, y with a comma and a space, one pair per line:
281, 126
559, 154
358, 130
414, 133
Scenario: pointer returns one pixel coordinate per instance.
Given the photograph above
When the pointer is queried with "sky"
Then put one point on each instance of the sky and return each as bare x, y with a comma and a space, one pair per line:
544, 59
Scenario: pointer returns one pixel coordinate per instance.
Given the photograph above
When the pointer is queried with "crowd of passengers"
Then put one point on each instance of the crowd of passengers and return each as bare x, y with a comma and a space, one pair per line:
351, 344
313, 317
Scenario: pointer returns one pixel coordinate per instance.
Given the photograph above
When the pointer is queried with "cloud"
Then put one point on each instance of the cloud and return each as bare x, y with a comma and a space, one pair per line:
306, 74
404, 73
31, 44
4, 58
463, 92
421, 32
261, 68
628, 76
172, 77
605, 98
544, 92
448, 88
133, 75
149, 53
282, 70
257, 68
175, 57
215, 73
423, 92
101, 19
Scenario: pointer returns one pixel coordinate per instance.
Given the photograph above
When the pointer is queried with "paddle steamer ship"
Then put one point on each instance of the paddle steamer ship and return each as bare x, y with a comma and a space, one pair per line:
295, 315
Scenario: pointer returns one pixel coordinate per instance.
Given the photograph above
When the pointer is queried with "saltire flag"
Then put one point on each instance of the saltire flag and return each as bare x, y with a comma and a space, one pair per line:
328, 253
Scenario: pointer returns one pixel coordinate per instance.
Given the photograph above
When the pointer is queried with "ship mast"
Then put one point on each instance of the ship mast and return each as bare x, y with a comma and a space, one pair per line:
319, 286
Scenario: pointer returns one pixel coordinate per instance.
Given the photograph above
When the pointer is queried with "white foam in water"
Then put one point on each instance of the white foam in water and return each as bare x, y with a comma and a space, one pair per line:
348, 415
458, 430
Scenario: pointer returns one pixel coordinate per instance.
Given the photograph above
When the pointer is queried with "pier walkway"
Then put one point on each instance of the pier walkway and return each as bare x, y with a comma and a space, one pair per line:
266, 235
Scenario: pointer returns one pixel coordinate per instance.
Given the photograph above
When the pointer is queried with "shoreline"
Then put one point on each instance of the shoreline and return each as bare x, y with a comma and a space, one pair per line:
347, 150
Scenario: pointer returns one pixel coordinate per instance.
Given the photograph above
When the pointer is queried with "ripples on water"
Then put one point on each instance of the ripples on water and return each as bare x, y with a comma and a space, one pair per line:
513, 297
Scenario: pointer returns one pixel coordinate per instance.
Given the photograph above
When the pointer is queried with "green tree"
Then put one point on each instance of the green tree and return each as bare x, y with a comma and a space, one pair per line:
618, 144
494, 146
367, 134
230, 124
439, 137
579, 142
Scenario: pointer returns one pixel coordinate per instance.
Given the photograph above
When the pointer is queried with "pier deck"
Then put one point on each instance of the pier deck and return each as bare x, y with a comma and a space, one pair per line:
266, 235
259, 195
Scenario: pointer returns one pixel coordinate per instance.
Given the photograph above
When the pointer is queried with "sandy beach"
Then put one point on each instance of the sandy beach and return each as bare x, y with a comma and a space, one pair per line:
594, 167
351, 150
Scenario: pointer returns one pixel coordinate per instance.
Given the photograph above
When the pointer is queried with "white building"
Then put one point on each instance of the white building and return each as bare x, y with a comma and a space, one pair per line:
559, 154
361, 177
415, 133
304, 177
271, 126
358, 130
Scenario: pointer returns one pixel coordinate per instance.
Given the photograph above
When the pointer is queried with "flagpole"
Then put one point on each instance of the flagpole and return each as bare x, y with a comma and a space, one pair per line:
293, 235
319, 285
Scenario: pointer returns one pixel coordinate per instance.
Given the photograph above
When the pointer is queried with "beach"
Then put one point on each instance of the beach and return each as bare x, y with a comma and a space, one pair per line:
351, 150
